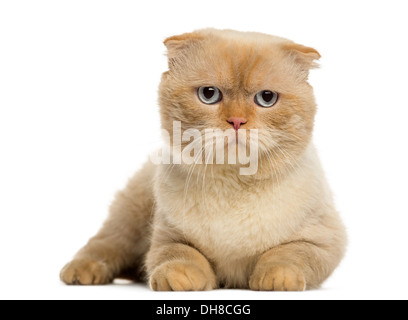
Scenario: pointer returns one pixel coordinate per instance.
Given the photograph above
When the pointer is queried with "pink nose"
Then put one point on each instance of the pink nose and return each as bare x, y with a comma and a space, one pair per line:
236, 122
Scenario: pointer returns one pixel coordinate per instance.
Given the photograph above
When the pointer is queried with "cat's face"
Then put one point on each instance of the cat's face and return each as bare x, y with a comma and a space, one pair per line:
218, 79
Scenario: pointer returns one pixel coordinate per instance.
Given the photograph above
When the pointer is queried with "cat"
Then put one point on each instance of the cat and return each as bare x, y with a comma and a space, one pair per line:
193, 227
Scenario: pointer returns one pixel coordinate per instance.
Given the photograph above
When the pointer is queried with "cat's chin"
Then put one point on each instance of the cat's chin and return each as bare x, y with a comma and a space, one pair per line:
210, 169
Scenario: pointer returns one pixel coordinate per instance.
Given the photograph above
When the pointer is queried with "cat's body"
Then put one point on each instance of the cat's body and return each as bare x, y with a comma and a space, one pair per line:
233, 222
198, 228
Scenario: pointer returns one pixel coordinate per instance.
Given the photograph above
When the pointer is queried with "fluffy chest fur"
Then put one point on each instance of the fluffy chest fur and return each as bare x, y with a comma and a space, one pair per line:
231, 222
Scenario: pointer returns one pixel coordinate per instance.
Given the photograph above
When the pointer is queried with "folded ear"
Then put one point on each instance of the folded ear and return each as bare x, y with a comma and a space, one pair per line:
303, 55
177, 45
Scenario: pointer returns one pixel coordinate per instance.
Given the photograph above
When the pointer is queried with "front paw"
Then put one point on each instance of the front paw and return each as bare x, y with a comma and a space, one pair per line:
181, 276
86, 272
279, 277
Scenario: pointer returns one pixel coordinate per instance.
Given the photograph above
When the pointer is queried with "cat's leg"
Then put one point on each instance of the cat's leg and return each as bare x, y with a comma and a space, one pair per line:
301, 264
179, 267
121, 245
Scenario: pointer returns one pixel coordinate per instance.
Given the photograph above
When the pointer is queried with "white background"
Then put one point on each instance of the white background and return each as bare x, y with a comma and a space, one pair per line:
79, 114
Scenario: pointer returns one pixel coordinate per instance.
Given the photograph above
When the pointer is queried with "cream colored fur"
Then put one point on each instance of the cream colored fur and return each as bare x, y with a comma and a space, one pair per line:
276, 230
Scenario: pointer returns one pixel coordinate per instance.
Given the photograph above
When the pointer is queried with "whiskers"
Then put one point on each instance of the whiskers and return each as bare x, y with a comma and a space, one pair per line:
197, 163
277, 148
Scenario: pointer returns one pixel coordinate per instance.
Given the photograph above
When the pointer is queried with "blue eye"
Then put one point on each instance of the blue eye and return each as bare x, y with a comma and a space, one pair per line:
209, 95
266, 98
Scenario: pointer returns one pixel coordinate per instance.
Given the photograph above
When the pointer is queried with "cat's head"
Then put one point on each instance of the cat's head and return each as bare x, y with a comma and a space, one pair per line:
229, 80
